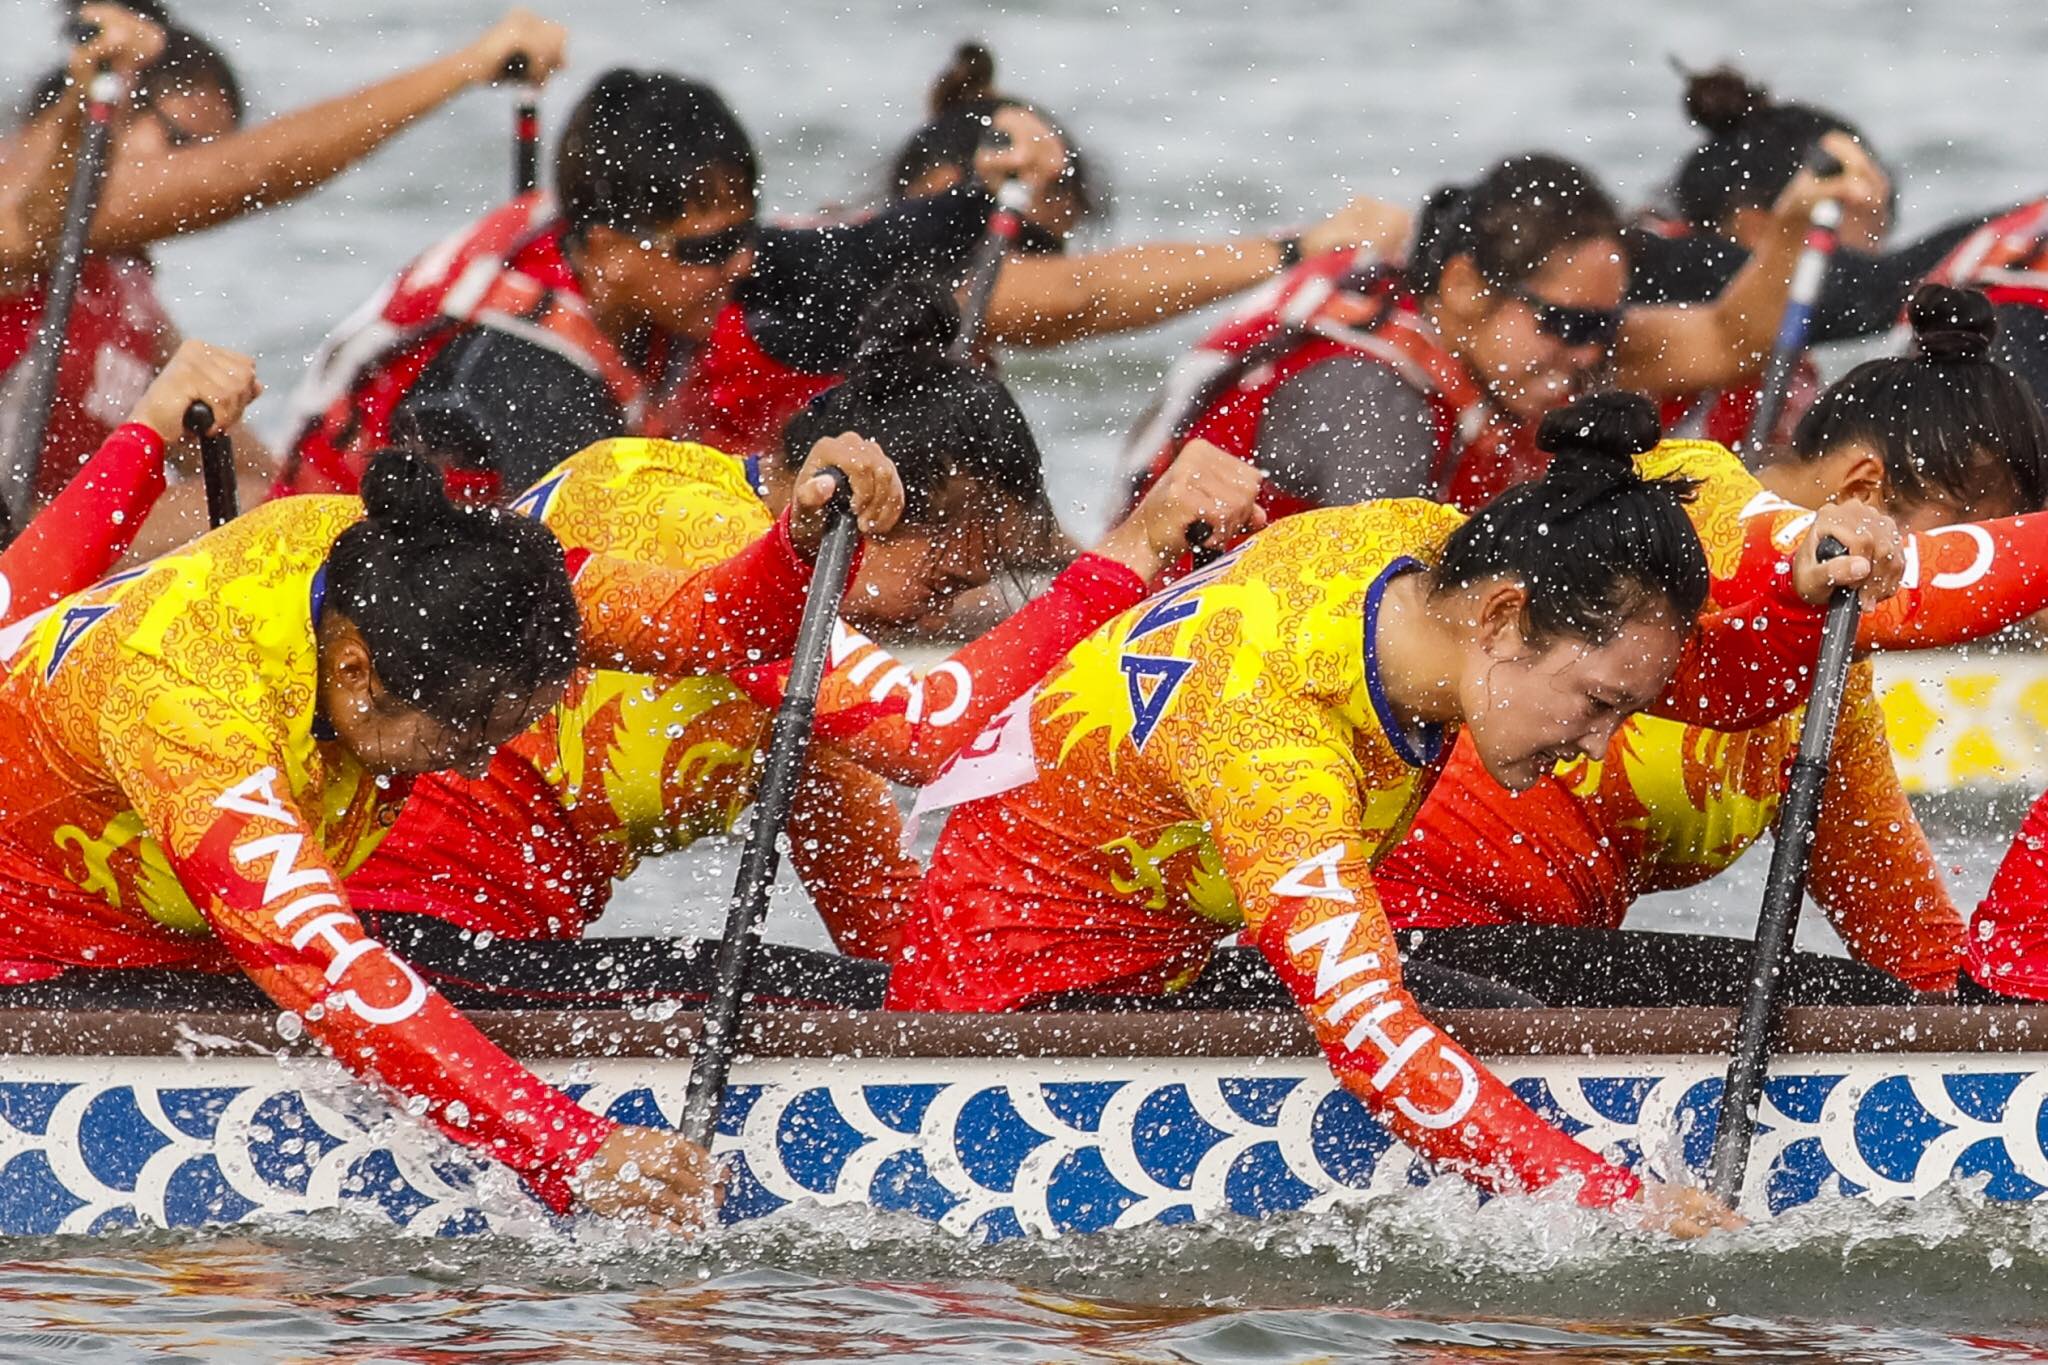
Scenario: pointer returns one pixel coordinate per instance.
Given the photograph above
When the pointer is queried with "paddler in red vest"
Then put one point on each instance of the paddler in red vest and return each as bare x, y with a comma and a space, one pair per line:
1943, 440
180, 161
1049, 293
1350, 381
643, 298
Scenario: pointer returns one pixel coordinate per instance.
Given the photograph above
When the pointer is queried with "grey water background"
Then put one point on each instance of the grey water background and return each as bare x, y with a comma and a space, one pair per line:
1209, 120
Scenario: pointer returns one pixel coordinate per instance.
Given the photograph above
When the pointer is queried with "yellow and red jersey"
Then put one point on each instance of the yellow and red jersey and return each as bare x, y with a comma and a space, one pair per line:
1222, 758
174, 799
1675, 804
640, 765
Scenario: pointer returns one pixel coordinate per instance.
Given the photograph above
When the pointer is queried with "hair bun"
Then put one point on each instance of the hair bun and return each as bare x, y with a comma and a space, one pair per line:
1604, 429
1720, 99
404, 494
913, 320
1951, 324
970, 77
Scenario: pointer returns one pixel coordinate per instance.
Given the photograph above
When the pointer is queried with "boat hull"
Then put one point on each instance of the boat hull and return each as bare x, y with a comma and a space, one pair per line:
1018, 1141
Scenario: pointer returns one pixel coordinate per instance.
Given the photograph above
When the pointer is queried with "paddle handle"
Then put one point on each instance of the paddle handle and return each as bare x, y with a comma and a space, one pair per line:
1823, 234
216, 464
525, 125
789, 739
46, 354
1784, 893
1004, 227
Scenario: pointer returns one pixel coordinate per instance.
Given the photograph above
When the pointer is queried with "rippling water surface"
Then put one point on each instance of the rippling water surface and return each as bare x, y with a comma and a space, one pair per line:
1208, 120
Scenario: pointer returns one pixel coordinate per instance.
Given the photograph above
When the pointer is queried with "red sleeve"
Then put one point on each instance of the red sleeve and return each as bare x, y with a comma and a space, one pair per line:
2008, 940
1744, 666
905, 725
83, 533
846, 843
1339, 961
266, 888
670, 622
1873, 872
1963, 582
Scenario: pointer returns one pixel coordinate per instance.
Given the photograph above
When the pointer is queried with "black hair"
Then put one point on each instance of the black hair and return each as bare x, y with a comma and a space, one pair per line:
963, 102
934, 416
1937, 415
189, 64
459, 606
156, 11
1592, 541
642, 148
1754, 147
1510, 220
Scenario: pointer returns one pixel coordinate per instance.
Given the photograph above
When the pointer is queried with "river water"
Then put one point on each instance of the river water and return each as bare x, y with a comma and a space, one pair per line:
1208, 120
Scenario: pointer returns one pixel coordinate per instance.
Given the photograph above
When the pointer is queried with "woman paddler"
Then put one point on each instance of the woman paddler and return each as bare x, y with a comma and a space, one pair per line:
1353, 380
630, 766
1236, 752
197, 750
1935, 439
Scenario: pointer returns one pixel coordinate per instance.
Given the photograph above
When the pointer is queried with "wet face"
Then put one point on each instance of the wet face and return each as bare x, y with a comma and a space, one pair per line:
1536, 346
1032, 151
909, 577
1529, 708
388, 735
676, 278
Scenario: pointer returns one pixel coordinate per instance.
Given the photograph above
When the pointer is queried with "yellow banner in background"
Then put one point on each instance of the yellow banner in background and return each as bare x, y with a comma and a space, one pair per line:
1961, 720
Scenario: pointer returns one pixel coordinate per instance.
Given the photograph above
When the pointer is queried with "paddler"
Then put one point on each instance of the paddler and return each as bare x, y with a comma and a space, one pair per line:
1235, 753
629, 767
1048, 293
1937, 439
1354, 380
643, 297
180, 161
197, 750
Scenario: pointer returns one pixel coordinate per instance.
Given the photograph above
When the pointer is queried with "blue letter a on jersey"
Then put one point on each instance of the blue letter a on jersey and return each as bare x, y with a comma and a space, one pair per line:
1152, 681
76, 623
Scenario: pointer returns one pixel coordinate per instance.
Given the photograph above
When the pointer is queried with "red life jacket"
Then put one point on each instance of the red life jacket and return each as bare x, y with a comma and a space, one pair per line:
118, 331
1336, 305
1724, 415
507, 271
2007, 258
736, 397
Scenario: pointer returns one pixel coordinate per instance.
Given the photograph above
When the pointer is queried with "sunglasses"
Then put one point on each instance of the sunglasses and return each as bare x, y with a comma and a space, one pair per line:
712, 248
1574, 326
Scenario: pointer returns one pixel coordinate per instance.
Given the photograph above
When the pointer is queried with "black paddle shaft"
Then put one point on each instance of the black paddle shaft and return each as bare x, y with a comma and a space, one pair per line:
525, 126
789, 739
216, 463
46, 354
1784, 892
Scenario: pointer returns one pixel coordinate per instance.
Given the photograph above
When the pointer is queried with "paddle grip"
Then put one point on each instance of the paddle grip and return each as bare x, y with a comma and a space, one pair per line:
1784, 892
789, 739
216, 463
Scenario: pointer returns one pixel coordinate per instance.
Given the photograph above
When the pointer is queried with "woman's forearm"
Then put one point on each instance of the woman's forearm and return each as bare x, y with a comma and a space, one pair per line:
1045, 300
195, 187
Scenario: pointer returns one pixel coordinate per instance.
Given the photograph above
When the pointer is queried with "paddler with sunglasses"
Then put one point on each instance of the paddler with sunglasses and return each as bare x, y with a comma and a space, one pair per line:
1354, 379
641, 297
